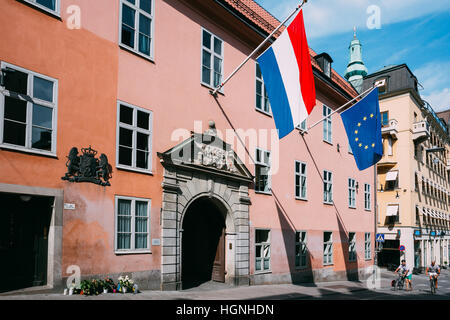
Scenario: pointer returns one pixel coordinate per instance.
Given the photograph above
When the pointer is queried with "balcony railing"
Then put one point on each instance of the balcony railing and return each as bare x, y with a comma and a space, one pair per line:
421, 131
390, 128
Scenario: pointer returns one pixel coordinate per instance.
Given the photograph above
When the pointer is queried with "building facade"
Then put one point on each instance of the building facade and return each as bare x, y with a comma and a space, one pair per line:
115, 158
413, 180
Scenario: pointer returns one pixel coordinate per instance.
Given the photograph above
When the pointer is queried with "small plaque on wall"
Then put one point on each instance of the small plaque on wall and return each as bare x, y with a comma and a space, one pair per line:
156, 242
69, 206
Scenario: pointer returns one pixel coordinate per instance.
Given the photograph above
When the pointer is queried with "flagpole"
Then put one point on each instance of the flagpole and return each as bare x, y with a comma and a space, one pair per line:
257, 49
343, 106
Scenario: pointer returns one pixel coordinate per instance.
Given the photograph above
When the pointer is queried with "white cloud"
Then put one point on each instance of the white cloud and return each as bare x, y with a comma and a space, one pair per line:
326, 17
434, 78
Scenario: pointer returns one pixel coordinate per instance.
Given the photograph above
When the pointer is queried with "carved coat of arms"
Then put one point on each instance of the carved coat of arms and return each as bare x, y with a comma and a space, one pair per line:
87, 168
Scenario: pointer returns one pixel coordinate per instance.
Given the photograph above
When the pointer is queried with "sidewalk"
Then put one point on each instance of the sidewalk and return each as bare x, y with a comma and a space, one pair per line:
216, 291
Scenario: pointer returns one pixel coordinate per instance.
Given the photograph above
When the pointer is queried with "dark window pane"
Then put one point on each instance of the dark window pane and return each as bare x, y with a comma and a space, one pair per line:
43, 89
144, 25
144, 44
206, 75
125, 156
42, 116
143, 120
51, 4
142, 141
128, 16
41, 139
15, 109
206, 59
142, 159
127, 36
125, 137
258, 71
206, 39
146, 5
262, 236
217, 65
14, 133
16, 81
126, 115
217, 46
131, 1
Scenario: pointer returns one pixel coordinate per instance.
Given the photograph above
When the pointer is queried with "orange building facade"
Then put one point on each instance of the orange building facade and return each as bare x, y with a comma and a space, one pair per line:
160, 186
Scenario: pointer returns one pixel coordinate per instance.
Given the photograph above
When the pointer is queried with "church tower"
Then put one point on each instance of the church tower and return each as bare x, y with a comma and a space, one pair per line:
356, 69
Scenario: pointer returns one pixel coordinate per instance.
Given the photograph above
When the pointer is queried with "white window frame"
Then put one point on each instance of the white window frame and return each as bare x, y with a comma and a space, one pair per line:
213, 54
132, 250
263, 93
29, 117
352, 193
138, 11
135, 129
352, 247
367, 197
301, 175
367, 246
327, 259
301, 244
327, 125
56, 12
327, 182
263, 164
270, 251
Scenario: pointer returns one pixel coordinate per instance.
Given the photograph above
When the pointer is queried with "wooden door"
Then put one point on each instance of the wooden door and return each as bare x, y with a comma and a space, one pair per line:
218, 272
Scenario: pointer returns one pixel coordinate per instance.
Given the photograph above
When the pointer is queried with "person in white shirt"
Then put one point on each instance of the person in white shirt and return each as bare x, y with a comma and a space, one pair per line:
407, 273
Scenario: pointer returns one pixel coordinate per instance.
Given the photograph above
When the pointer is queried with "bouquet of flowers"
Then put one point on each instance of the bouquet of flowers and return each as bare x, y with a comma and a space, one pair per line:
125, 284
108, 284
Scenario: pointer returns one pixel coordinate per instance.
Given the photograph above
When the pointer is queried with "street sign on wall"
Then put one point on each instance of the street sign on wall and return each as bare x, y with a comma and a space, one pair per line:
402, 248
380, 237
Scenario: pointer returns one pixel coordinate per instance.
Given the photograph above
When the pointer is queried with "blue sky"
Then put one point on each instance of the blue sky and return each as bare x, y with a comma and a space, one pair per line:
411, 31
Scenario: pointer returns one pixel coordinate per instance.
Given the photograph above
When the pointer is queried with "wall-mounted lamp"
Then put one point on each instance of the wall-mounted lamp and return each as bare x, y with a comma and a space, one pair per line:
397, 195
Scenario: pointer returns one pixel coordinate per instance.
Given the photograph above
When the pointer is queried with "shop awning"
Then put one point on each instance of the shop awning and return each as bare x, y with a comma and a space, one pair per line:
392, 210
391, 176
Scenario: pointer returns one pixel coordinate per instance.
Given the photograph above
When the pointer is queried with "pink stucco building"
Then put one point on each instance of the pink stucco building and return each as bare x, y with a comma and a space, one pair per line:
186, 203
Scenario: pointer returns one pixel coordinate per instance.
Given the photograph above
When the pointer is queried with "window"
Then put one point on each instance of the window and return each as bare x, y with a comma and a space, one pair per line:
390, 143
134, 138
262, 98
385, 119
136, 27
262, 169
367, 246
351, 246
327, 248
212, 59
367, 199
351, 193
327, 187
262, 247
300, 250
303, 125
300, 180
327, 124
132, 224
391, 181
51, 6
28, 109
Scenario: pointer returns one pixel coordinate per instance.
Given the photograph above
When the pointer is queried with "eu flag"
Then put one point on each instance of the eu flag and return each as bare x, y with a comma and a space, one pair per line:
362, 123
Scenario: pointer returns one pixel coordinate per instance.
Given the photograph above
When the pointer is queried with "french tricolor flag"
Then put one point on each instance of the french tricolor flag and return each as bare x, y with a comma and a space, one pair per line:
288, 77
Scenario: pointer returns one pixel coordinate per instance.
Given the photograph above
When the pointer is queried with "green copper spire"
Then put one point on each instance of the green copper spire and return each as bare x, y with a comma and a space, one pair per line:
356, 69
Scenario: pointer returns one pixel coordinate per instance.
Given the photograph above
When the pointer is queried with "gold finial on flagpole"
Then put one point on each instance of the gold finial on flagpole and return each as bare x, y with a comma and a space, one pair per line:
354, 32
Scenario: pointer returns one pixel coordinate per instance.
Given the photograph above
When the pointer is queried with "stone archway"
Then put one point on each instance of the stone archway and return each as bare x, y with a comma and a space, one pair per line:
190, 175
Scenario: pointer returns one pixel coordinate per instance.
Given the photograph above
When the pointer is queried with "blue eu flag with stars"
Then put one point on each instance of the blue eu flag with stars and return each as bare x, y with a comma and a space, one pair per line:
362, 123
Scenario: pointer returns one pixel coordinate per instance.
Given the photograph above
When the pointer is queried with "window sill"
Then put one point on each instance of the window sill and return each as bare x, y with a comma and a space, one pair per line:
136, 53
211, 88
263, 112
354, 208
328, 264
328, 203
263, 272
267, 193
28, 151
301, 199
119, 253
136, 170
328, 142
43, 9
368, 210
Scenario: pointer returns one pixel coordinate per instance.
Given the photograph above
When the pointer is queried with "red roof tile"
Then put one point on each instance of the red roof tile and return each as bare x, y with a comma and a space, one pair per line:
266, 21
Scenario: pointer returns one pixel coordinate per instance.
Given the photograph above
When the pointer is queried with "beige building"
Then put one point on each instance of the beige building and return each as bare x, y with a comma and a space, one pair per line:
413, 182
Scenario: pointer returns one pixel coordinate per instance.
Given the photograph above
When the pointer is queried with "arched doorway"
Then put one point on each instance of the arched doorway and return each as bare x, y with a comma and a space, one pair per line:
203, 243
